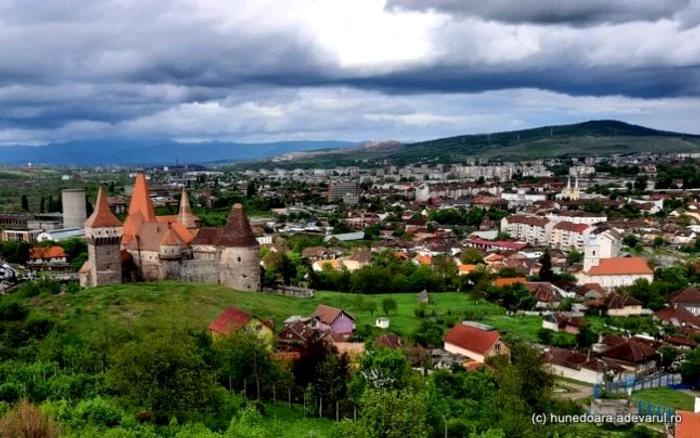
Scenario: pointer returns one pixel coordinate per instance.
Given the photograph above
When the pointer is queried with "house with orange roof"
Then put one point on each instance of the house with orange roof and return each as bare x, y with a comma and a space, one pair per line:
48, 258
423, 260
689, 424
466, 269
503, 282
320, 265
617, 271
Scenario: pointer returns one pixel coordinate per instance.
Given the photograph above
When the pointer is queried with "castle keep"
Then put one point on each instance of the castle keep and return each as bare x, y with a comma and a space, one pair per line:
150, 247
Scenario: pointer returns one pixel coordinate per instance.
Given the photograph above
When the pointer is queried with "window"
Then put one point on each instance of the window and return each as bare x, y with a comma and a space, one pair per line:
239, 259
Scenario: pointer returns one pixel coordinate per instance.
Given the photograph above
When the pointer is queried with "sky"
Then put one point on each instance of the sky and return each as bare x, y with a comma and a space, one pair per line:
275, 70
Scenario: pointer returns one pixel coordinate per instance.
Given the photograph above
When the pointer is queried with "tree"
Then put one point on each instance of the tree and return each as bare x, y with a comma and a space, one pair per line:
164, 374
384, 368
640, 183
690, 368
42, 205
245, 359
472, 256
388, 414
331, 381
369, 306
546, 273
585, 337
574, 257
389, 305
630, 240
25, 203
668, 355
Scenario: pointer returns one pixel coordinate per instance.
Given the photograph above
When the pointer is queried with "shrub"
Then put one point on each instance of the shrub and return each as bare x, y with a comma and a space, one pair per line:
27, 421
98, 412
12, 312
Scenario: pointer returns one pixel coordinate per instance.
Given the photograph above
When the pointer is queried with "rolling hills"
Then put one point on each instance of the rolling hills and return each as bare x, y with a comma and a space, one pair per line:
597, 137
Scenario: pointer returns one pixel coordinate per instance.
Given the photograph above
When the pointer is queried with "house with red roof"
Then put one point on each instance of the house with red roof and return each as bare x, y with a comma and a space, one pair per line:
635, 356
689, 299
233, 320
476, 341
49, 258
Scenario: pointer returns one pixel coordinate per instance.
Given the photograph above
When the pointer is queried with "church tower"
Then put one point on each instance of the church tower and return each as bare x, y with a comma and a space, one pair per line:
103, 232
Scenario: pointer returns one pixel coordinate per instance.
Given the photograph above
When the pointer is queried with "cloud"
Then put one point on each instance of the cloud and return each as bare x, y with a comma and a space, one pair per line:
274, 69
583, 12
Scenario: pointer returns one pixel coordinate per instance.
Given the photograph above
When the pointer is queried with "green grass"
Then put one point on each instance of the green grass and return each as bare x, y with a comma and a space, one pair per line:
295, 424
195, 305
522, 325
666, 397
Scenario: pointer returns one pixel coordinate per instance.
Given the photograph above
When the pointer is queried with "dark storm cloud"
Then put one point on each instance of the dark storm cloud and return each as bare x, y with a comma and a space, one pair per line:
575, 12
139, 63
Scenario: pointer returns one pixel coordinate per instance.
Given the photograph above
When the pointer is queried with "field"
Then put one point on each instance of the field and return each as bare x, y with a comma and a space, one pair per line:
195, 305
666, 397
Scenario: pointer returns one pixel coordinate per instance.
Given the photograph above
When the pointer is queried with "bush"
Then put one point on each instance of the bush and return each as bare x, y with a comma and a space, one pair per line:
12, 312
98, 412
27, 421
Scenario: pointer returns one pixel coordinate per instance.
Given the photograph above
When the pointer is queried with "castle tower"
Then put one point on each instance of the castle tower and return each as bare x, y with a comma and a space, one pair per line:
184, 215
103, 232
238, 253
140, 209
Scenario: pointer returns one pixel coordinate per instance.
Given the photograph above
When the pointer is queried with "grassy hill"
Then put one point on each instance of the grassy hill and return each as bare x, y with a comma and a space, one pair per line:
195, 305
597, 137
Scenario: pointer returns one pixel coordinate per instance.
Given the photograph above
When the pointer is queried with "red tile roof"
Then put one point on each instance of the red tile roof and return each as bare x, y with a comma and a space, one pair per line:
680, 314
102, 216
631, 351
230, 320
688, 296
141, 199
688, 426
471, 338
503, 282
533, 221
621, 266
570, 226
43, 252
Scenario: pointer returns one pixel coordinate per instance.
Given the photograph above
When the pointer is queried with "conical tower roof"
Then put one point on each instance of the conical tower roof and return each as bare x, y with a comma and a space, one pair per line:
185, 216
102, 215
141, 200
237, 231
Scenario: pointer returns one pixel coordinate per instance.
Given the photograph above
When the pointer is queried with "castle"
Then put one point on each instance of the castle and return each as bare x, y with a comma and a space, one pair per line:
149, 247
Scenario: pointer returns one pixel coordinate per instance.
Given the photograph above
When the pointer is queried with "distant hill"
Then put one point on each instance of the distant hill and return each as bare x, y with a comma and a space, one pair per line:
152, 152
597, 137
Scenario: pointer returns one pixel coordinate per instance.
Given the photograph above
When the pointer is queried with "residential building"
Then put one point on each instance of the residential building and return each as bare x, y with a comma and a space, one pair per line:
534, 230
564, 322
338, 191
232, 320
688, 299
475, 341
568, 235
48, 258
580, 367
331, 318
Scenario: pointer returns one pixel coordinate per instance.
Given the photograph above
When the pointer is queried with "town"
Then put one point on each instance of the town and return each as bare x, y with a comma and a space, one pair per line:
589, 265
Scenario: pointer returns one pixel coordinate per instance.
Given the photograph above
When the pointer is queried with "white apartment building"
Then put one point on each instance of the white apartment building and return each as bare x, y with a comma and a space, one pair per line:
534, 230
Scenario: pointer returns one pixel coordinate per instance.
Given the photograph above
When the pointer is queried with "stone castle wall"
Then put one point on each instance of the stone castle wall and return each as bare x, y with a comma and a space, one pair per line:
239, 268
105, 263
199, 271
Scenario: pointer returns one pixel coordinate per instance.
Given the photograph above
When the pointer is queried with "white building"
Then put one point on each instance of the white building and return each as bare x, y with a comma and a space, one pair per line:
534, 230
567, 235
577, 217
